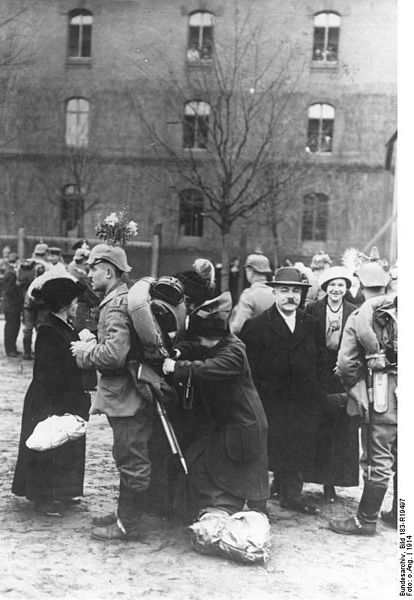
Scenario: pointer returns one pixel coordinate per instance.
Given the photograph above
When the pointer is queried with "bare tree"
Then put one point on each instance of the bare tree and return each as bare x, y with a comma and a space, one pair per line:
238, 107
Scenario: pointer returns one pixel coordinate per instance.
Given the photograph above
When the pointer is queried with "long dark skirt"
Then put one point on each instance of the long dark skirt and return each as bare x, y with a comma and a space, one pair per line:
50, 475
337, 451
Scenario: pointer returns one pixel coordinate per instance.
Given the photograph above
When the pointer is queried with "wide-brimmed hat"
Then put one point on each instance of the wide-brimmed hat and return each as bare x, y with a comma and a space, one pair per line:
335, 273
211, 319
115, 255
59, 290
259, 263
288, 276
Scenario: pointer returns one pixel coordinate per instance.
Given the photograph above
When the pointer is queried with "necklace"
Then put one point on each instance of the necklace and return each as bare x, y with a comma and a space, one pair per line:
332, 310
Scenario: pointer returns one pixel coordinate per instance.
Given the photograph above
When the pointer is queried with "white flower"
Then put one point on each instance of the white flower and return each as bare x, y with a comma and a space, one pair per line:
111, 219
132, 228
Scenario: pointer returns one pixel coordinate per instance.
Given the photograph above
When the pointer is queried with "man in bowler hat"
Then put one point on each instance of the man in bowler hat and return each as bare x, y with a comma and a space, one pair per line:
287, 357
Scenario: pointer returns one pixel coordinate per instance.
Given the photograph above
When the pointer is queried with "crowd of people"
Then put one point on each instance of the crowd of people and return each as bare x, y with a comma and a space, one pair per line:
280, 384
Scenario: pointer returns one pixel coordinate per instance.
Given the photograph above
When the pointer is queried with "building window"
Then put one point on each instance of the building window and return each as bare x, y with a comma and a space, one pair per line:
195, 130
320, 128
315, 218
200, 36
77, 122
191, 213
80, 34
72, 209
326, 37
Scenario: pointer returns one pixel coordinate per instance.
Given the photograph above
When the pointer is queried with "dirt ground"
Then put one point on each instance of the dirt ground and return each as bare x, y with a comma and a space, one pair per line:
43, 558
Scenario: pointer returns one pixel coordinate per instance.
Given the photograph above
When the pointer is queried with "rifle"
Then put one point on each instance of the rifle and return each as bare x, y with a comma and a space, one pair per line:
153, 380
170, 433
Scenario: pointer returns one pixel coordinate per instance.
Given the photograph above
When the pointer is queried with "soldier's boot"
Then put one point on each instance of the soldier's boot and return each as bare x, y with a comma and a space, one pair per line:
365, 521
127, 523
390, 516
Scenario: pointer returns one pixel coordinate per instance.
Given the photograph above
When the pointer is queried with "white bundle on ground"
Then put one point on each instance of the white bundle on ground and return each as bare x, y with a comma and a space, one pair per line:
56, 431
243, 537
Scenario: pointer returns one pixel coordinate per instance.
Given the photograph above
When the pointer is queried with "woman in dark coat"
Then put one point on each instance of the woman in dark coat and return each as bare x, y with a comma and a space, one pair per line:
227, 461
337, 446
53, 477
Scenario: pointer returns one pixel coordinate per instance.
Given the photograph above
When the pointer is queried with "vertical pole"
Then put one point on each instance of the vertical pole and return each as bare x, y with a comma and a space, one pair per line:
394, 226
20, 243
155, 250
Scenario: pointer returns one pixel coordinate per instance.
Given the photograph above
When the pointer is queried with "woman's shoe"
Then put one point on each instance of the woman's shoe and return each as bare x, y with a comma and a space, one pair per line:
51, 509
330, 494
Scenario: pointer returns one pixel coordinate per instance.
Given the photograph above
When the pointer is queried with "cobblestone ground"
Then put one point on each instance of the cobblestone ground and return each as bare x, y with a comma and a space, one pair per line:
43, 558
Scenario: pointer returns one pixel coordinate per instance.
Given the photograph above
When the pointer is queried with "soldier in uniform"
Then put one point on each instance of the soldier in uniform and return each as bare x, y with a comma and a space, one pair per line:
255, 299
129, 414
379, 430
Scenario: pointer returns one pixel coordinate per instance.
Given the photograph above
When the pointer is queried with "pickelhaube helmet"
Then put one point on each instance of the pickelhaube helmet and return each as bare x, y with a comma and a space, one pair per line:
112, 254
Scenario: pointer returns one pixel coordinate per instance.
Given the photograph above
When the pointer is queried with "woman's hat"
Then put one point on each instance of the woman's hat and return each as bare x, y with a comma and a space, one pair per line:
335, 273
211, 319
288, 276
59, 290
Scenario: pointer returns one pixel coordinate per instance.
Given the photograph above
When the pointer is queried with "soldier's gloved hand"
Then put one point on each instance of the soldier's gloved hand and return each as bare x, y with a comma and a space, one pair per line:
168, 366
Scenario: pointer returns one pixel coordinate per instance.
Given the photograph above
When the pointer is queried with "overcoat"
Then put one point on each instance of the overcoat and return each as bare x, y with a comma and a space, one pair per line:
56, 389
235, 436
337, 443
289, 373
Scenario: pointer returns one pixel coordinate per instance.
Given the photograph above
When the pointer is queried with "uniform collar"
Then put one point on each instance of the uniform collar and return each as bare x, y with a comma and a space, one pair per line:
119, 288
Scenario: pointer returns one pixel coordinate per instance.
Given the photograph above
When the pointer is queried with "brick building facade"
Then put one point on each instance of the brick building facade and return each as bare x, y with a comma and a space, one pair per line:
74, 142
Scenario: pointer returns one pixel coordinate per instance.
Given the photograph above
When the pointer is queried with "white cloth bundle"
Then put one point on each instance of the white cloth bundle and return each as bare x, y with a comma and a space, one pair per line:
243, 537
55, 431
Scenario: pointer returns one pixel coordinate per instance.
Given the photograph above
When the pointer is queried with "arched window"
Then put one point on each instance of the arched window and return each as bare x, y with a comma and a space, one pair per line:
72, 209
77, 122
320, 128
80, 34
315, 217
200, 36
191, 213
195, 126
326, 36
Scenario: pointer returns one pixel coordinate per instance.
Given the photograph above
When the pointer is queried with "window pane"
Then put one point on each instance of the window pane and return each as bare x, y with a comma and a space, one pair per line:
86, 40
334, 20
194, 37
207, 43
313, 135
201, 19
315, 217
73, 40
327, 111
326, 136
188, 131
333, 43
318, 43
191, 217
202, 132
321, 20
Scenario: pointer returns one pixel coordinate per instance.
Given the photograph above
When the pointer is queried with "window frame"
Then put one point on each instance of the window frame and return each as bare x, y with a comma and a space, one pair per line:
77, 199
78, 31
190, 213
75, 136
196, 125
325, 126
315, 217
204, 40
329, 31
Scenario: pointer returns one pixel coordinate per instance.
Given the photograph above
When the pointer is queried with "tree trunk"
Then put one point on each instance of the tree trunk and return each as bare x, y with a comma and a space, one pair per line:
275, 256
225, 262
